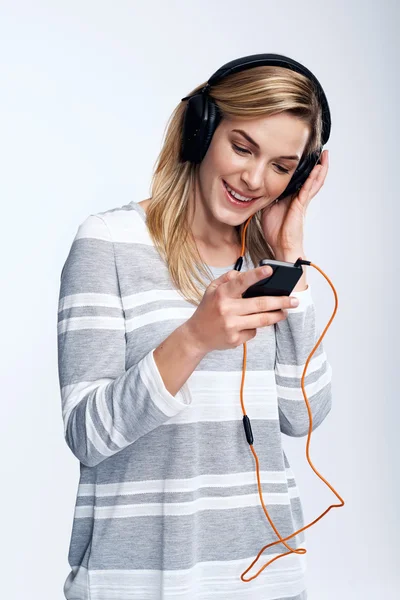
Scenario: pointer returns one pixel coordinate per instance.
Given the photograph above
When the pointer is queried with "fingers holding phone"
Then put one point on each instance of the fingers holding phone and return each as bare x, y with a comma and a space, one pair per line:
224, 319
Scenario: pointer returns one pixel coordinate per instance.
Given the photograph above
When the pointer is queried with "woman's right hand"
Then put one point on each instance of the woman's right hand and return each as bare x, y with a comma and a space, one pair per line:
225, 320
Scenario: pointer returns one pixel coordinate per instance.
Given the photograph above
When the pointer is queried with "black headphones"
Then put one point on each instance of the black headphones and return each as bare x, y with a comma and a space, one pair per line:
202, 115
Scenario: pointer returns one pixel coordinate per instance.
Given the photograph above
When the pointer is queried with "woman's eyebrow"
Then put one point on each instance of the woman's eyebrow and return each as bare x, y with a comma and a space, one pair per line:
249, 139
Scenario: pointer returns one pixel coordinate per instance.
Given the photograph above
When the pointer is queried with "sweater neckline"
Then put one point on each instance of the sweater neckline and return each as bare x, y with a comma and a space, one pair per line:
217, 271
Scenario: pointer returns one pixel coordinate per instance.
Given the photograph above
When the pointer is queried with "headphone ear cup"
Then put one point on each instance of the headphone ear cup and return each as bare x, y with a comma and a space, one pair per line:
301, 174
210, 124
201, 119
192, 128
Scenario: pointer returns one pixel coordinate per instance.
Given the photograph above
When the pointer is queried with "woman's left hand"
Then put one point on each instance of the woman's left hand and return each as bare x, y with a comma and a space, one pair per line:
283, 221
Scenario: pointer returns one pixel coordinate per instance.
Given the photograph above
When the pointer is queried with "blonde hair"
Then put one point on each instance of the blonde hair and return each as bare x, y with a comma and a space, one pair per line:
256, 92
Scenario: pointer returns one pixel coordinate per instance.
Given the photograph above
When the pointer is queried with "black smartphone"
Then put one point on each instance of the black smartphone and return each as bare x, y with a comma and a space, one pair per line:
283, 280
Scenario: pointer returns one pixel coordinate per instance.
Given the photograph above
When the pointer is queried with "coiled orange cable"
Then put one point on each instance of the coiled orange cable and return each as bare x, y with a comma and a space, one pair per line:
283, 540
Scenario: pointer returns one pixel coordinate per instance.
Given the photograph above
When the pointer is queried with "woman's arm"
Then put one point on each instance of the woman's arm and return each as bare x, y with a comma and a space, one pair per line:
105, 407
295, 337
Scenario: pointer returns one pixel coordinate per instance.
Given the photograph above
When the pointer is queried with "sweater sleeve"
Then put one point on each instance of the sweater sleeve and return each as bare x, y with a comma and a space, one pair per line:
104, 406
295, 337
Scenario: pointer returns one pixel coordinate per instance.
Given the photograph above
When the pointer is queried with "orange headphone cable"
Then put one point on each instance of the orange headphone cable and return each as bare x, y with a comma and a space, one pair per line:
249, 436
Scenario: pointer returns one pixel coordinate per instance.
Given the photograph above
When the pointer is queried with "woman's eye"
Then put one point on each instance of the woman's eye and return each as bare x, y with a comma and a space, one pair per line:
244, 151
282, 170
239, 149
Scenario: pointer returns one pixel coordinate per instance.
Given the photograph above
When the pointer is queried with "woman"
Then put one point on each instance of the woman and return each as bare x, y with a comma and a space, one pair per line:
150, 361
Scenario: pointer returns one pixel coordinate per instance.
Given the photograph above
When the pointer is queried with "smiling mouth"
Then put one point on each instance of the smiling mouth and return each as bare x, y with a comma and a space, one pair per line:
235, 200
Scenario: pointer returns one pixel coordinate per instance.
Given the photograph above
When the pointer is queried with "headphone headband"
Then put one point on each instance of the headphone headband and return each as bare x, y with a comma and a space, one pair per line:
277, 60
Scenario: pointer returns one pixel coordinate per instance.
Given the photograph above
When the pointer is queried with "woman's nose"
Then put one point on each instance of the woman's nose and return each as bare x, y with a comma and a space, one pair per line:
254, 178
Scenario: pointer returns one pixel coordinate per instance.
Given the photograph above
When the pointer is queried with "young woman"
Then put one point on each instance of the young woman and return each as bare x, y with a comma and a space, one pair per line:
151, 354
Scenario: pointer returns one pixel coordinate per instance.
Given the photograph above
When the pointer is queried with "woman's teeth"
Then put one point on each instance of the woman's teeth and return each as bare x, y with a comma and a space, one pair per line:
236, 195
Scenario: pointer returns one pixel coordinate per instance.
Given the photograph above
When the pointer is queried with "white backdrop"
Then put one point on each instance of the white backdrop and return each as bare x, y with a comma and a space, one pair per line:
86, 88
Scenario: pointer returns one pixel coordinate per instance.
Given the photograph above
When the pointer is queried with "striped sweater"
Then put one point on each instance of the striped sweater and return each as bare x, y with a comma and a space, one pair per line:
167, 504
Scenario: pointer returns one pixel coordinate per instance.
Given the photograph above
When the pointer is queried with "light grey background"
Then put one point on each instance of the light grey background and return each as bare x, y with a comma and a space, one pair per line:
86, 91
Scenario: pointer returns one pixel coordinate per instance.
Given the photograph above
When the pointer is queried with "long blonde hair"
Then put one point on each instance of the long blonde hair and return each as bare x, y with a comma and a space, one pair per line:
256, 92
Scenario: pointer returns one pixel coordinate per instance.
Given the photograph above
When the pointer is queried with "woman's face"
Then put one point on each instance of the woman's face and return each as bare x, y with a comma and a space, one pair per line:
257, 172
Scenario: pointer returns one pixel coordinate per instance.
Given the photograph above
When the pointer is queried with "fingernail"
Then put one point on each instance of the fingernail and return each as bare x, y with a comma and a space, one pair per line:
294, 302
